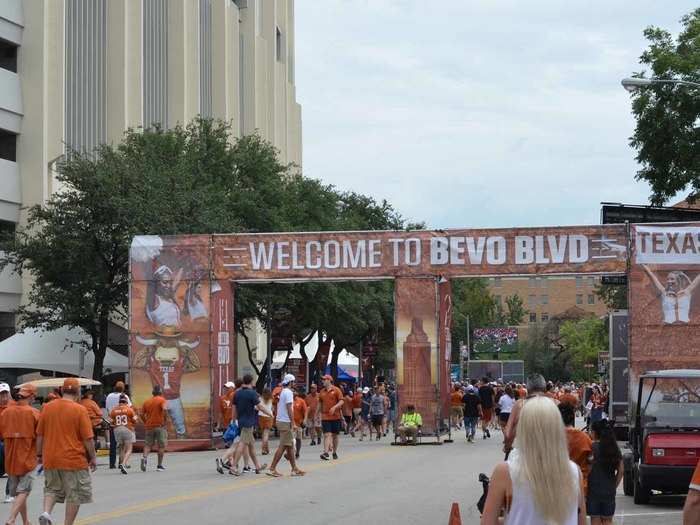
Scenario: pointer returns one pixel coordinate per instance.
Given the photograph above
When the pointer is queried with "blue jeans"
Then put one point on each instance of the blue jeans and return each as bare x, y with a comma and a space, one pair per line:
177, 414
470, 425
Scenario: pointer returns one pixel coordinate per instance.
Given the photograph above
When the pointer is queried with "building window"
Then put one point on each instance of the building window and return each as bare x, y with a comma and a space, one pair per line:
591, 298
7, 325
279, 45
543, 282
497, 299
544, 299
545, 317
8, 56
579, 298
532, 281
533, 317
7, 227
497, 282
579, 281
531, 300
8, 145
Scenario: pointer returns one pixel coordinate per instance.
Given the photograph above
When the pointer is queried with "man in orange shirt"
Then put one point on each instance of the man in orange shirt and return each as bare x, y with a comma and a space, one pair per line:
691, 509
18, 430
456, 409
357, 411
123, 419
154, 411
225, 405
568, 398
330, 403
314, 425
94, 411
65, 438
580, 444
300, 409
5, 401
347, 413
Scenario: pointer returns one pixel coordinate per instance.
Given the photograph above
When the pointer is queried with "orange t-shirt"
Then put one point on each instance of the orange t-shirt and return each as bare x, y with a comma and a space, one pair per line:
347, 406
154, 412
123, 416
456, 399
64, 425
299, 408
93, 411
18, 430
328, 399
580, 450
10, 402
226, 406
695, 481
357, 401
312, 403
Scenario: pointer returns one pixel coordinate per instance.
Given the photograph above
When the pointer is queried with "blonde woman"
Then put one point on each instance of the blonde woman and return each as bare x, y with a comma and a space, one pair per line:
265, 422
538, 485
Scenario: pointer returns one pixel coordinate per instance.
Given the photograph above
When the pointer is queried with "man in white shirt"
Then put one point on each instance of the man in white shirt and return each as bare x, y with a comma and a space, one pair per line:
111, 403
286, 428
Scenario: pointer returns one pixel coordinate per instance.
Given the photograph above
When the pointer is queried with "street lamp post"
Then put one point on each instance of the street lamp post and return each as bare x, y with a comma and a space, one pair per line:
633, 84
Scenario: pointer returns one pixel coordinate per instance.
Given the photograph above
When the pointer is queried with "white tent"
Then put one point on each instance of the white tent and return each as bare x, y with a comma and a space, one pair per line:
345, 359
59, 350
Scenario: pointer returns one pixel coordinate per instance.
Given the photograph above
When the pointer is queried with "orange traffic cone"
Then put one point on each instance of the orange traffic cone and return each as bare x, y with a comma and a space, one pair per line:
455, 518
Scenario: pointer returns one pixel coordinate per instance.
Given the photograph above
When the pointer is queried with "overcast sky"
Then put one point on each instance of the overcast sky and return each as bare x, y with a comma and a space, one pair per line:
475, 113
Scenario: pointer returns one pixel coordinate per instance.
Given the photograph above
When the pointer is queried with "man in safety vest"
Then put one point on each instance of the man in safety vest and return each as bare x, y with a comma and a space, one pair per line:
410, 424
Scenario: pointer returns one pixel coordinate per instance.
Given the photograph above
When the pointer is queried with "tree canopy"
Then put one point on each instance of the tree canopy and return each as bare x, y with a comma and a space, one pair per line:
667, 134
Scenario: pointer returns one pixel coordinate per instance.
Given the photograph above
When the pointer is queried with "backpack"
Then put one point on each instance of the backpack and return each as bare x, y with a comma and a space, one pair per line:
231, 433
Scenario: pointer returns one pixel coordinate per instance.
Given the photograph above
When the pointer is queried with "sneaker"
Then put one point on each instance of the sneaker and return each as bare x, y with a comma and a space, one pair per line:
45, 519
483, 436
247, 469
219, 467
144, 462
122, 469
312, 443
325, 456
160, 468
9, 499
335, 456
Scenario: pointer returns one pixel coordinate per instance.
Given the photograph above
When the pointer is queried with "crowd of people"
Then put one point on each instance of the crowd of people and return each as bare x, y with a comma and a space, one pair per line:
553, 472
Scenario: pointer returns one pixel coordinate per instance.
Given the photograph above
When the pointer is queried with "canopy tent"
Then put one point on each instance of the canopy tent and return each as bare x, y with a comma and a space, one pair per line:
58, 350
342, 375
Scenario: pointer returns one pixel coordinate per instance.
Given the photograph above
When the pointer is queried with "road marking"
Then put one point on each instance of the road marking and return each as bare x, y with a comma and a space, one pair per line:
636, 515
165, 502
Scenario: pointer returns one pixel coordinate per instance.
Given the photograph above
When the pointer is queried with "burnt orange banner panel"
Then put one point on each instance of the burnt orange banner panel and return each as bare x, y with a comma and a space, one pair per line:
452, 253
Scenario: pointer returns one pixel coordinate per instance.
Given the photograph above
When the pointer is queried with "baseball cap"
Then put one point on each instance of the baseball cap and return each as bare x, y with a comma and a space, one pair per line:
71, 385
288, 379
27, 390
230, 384
4, 387
365, 390
123, 399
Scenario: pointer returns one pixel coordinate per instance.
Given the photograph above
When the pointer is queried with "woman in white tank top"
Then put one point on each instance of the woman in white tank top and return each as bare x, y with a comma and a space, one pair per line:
675, 296
538, 485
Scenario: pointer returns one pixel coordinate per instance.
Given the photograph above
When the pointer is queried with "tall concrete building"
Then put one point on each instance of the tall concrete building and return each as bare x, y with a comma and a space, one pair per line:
77, 73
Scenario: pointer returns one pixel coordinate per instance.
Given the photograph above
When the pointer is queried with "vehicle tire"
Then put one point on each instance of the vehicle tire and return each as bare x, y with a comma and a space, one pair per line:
642, 495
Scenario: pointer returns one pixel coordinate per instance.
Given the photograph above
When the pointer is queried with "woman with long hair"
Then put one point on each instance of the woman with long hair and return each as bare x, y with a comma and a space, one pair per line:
505, 405
538, 485
265, 422
606, 473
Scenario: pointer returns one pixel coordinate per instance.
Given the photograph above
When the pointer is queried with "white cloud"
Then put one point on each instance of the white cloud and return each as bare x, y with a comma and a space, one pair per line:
475, 113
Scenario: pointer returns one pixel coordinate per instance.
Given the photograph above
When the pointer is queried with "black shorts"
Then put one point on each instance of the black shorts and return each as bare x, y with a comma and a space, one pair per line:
600, 507
331, 427
348, 419
503, 417
378, 420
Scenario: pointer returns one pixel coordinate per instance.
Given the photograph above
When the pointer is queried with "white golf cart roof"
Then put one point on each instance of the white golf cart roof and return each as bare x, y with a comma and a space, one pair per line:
672, 374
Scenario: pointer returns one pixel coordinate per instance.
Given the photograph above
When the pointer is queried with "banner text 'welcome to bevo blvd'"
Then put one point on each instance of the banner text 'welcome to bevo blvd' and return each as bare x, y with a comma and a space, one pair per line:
339, 255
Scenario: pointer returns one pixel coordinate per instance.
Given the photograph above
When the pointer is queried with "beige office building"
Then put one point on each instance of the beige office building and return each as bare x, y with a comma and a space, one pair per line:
77, 73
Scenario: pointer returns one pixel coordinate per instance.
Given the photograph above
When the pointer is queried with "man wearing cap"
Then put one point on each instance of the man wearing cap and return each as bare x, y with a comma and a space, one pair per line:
287, 428
5, 401
225, 405
18, 425
65, 438
156, 433
314, 425
94, 411
123, 420
111, 403
330, 404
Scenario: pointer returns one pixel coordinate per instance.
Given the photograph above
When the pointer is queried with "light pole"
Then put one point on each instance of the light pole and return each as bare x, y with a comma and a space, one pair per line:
633, 84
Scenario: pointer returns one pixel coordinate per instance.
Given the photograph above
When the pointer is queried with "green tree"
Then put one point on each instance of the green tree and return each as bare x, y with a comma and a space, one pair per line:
613, 295
191, 179
584, 340
512, 315
667, 136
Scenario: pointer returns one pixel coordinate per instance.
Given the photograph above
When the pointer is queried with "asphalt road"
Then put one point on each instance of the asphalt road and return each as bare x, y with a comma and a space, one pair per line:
371, 482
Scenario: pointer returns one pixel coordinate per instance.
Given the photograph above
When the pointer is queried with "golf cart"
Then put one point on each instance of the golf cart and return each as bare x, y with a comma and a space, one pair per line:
664, 434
